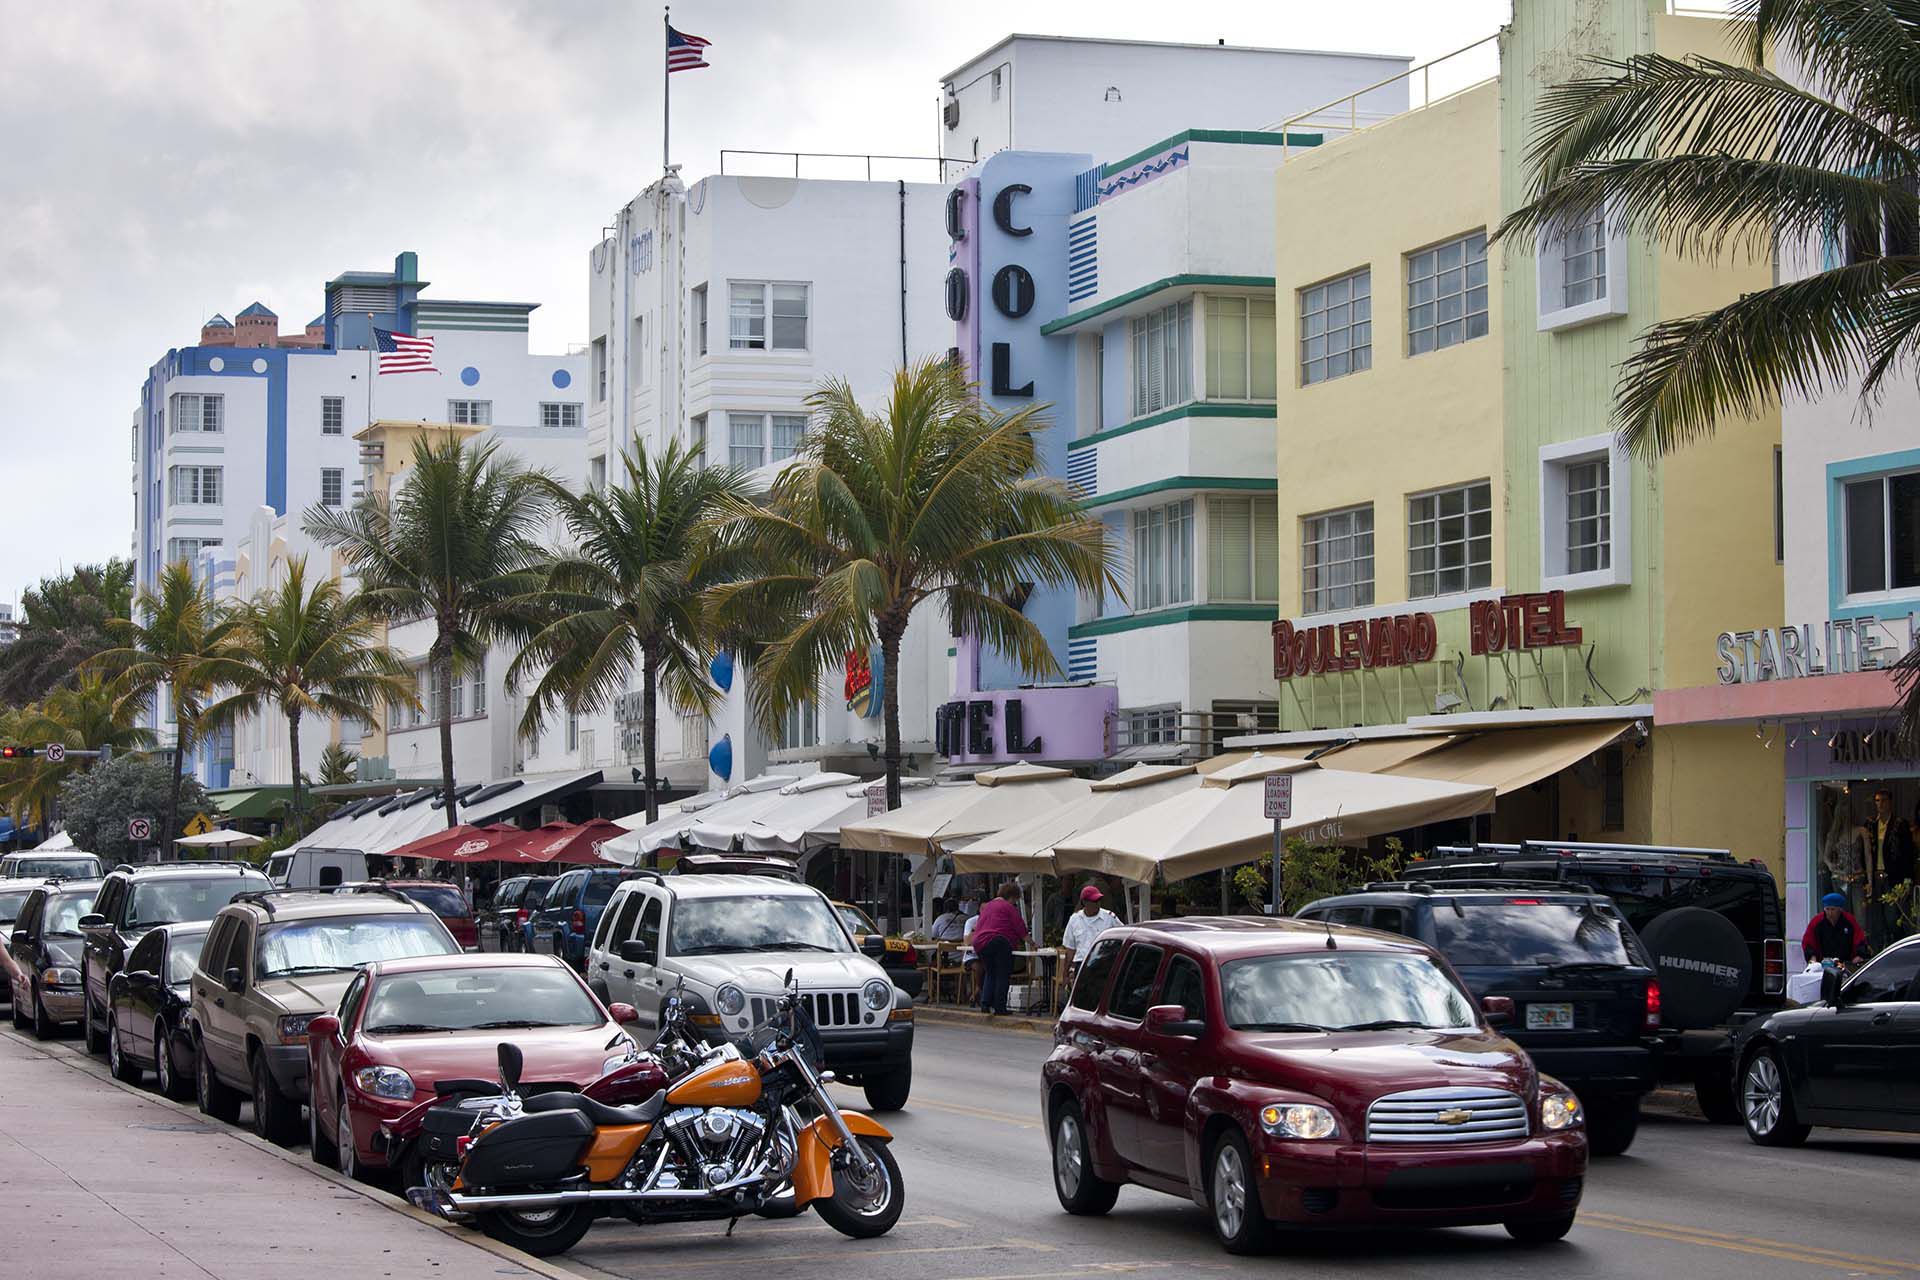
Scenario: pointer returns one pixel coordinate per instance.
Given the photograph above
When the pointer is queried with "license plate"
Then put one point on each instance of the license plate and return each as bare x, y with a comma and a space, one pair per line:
1549, 1017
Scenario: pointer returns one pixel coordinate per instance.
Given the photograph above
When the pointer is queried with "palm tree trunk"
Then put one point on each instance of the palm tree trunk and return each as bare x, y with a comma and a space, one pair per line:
890, 633
293, 754
649, 727
443, 676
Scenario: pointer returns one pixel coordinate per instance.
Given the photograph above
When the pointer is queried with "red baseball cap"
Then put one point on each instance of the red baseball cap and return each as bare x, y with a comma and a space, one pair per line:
1091, 894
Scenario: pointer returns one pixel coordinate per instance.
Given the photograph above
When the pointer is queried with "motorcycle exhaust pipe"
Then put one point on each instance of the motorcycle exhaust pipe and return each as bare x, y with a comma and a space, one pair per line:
556, 1199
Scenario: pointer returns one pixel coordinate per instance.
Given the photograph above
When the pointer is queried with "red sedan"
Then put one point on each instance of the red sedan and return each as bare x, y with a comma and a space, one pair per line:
405, 1024
1279, 1072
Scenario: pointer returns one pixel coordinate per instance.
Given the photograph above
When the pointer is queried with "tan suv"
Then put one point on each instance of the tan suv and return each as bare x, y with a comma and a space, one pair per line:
271, 962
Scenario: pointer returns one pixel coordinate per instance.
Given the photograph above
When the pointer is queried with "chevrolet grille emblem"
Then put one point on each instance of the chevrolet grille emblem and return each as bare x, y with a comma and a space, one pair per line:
1454, 1115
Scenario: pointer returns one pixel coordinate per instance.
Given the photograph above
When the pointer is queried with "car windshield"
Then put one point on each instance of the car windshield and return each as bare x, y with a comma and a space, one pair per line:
755, 922
442, 899
182, 950
65, 909
36, 868
1336, 991
479, 1000
337, 943
1528, 931
600, 890
855, 919
171, 901
10, 904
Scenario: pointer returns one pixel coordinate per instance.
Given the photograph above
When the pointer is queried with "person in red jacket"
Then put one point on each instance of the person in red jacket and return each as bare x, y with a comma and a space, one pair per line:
999, 931
1834, 934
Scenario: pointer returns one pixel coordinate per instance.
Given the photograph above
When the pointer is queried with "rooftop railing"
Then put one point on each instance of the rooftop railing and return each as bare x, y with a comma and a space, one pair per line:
841, 165
1424, 85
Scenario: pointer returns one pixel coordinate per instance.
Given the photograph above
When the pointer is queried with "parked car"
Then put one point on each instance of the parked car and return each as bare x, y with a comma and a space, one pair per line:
443, 899
499, 921
51, 866
1586, 998
532, 898
1280, 1072
13, 895
1712, 923
405, 1025
899, 958
271, 963
316, 868
135, 899
571, 912
727, 942
147, 1003
44, 948
1851, 1061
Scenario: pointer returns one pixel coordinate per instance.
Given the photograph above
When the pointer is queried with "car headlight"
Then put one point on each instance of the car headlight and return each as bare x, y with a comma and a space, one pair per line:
293, 1027
878, 993
384, 1082
56, 976
1559, 1111
729, 1000
1298, 1120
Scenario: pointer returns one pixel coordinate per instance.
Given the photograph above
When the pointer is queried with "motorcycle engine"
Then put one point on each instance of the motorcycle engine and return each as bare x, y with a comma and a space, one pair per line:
717, 1141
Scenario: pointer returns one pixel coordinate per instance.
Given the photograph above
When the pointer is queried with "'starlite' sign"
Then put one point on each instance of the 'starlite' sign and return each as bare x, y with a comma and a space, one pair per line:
1838, 646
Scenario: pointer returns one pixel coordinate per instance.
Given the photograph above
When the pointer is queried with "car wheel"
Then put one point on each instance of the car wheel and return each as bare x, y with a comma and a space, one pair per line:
44, 1028
214, 1097
1714, 1093
319, 1143
1538, 1231
124, 1069
1081, 1190
96, 1042
275, 1117
1767, 1103
1234, 1198
1612, 1124
544, 1233
347, 1157
166, 1074
888, 1090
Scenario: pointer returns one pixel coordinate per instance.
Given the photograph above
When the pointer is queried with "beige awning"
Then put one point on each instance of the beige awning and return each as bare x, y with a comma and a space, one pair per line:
1028, 846
1509, 759
1373, 755
997, 799
1223, 761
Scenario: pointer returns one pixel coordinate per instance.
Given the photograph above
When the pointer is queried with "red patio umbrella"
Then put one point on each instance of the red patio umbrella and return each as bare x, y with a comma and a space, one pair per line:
464, 843
567, 842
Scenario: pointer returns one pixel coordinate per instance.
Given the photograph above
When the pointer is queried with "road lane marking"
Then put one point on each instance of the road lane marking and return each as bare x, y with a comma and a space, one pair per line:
1788, 1253
1084, 1269
977, 1113
1822, 1250
1006, 1245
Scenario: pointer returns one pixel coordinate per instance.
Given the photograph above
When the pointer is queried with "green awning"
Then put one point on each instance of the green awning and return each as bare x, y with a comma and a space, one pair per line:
251, 802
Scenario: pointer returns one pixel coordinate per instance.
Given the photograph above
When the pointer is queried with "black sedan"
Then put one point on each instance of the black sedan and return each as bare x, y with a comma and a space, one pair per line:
147, 1005
1852, 1061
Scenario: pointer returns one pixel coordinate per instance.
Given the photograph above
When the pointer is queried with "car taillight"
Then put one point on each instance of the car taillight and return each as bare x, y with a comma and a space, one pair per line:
579, 922
913, 954
520, 916
1653, 1005
461, 1143
1773, 954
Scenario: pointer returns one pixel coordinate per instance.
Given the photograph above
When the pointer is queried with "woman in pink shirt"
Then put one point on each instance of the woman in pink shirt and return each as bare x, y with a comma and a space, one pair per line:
998, 932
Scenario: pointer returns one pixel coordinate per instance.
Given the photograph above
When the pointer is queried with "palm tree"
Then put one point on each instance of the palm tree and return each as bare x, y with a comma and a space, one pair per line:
82, 715
880, 513
337, 765
309, 651
632, 594
457, 544
179, 640
66, 623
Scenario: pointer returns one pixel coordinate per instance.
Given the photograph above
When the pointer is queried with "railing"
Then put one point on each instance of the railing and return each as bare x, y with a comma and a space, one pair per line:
1191, 735
1465, 68
845, 165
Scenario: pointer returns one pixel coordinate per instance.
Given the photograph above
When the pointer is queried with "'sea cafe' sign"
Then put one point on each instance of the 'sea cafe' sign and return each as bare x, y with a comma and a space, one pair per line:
1840, 646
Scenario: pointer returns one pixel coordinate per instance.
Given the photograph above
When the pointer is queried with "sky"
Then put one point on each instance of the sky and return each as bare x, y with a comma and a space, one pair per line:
169, 161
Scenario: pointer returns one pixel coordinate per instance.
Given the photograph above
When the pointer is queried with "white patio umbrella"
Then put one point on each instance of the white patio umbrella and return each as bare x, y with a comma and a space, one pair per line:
811, 819
219, 840
54, 844
665, 832
998, 799
724, 824
1222, 822
1028, 846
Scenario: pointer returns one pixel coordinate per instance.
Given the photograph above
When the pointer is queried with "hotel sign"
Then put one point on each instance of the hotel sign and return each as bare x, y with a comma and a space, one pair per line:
1505, 624
1838, 646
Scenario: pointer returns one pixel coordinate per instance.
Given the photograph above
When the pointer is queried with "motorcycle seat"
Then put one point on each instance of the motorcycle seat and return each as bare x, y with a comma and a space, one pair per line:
599, 1112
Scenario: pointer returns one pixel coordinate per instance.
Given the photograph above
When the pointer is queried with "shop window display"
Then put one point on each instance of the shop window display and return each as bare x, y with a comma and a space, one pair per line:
1868, 839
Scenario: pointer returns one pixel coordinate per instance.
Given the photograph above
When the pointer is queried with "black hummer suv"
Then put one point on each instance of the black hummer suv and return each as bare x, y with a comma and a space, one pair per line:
1585, 1002
1713, 924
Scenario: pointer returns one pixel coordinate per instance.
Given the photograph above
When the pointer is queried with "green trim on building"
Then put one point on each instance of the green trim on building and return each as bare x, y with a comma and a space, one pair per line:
1198, 409
1134, 295
1247, 137
1255, 483
1168, 617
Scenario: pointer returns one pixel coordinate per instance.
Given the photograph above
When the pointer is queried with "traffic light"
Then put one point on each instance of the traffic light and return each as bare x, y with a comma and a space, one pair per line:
18, 753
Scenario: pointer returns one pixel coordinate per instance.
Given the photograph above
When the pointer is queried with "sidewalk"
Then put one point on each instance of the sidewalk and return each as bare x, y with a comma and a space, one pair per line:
102, 1182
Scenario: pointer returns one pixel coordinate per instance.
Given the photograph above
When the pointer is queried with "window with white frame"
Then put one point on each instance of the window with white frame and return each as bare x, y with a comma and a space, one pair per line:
199, 412
477, 413
1450, 540
1147, 726
1580, 263
332, 486
1447, 294
1336, 560
1585, 524
477, 689
573, 731
559, 414
1882, 531
1243, 549
638, 351
194, 486
1163, 555
188, 549
597, 473
700, 319
1233, 717
1336, 327
787, 430
800, 727
766, 316
697, 439
599, 350
333, 415
1240, 349
1583, 260
1162, 358
746, 439
1589, 515
352, 729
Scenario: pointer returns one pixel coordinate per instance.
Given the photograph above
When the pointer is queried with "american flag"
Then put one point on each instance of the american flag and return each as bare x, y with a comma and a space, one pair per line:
404, 353
683, 51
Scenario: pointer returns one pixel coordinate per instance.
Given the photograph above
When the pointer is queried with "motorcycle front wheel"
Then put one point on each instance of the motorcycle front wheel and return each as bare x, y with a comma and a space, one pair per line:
544, 1233
865, 1206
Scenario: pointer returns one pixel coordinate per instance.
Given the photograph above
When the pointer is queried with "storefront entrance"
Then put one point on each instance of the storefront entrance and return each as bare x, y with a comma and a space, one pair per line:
1853, 814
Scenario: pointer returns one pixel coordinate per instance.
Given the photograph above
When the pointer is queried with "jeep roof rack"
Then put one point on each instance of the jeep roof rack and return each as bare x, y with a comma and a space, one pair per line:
263, 898
1576, 849
1492, 884
379, 887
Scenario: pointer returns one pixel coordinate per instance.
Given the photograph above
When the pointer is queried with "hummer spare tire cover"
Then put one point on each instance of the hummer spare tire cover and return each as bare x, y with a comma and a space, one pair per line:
1705, 967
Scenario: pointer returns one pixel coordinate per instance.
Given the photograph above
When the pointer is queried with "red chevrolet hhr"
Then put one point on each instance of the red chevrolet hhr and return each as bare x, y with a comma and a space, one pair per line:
1279, 1072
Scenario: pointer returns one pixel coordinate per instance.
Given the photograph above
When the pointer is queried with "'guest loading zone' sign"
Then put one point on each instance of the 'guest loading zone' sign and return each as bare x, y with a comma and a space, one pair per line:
1506, 624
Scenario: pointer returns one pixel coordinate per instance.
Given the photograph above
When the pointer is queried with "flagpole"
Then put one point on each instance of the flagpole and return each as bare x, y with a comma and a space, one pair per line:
666, 92
373, 343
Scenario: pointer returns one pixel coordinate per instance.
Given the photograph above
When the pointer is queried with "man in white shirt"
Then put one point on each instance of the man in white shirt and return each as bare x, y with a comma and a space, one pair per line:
1087, 924
949, 925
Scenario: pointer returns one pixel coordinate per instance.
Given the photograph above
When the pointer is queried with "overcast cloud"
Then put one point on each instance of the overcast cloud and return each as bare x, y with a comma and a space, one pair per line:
167, 161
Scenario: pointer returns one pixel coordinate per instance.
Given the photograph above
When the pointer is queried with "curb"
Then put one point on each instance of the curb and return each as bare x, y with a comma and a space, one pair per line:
983, 1022
1673, 1102
76, 1059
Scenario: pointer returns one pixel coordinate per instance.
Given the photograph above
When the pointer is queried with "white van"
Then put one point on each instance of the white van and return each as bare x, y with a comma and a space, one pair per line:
316, 868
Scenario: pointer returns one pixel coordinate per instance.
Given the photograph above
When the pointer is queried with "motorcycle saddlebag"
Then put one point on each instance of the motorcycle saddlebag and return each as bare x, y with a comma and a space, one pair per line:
544, 1147
441, 1131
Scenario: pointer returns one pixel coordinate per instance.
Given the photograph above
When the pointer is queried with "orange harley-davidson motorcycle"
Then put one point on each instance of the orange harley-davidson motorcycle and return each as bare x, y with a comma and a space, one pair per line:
750, 1130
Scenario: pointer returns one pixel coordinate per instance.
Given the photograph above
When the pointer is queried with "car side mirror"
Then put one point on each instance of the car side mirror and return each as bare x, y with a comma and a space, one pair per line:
634, 951
233, 980
92, 920
623, 1014
1830, 987
1497, 1010
1172, 1020
324, 1026
873, 945
136, 975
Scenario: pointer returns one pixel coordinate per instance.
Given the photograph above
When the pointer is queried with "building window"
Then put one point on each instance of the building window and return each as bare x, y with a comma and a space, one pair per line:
788, 431
1336, 327
763, 316
1447, 294
1583, 260
697, 440
1450, 541
1233, 717
1581, 269
194, 486
700, 319
1147, 726
1162, 358
1883, 534
1336, 560
1589, 515
573, 731
1163, 555
199, 413
599, 370
1099, 381
559, 414
1585, 524
1243, 549
333, 415
477, 413
638, 351
597, 473
800, 727
331, 486
1241, 364
1779, 507
746, 439
477, 684
188, 549
1613, 788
